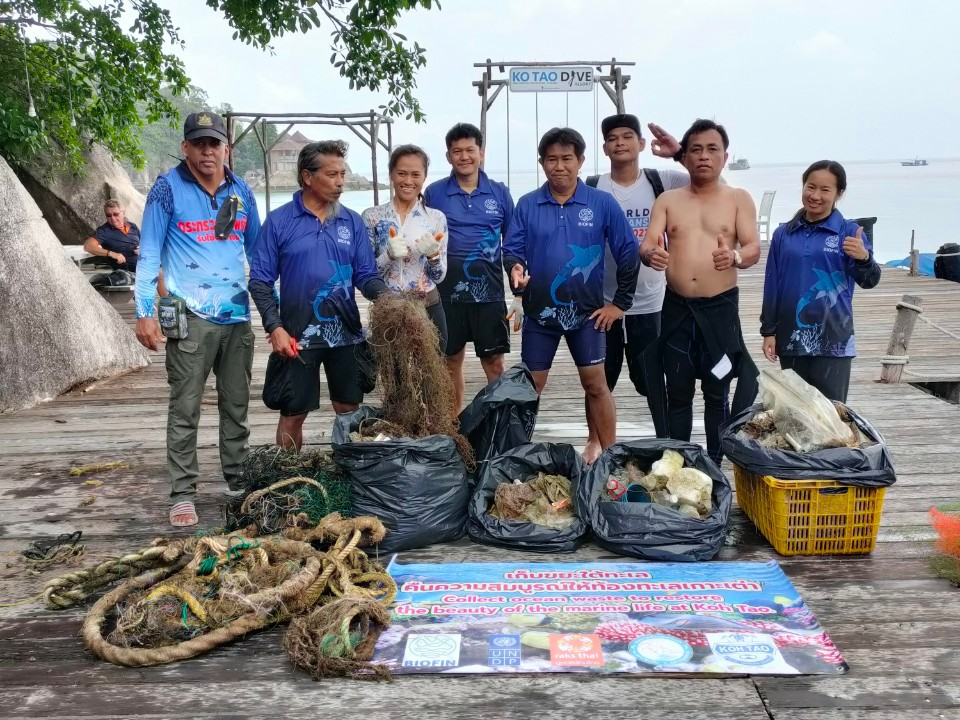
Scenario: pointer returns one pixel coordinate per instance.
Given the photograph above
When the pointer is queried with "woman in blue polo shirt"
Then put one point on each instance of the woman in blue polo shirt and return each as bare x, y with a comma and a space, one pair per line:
813, 263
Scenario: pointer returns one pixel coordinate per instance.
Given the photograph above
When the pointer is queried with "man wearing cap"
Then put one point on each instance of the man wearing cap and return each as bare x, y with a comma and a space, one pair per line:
635, 190
200, 223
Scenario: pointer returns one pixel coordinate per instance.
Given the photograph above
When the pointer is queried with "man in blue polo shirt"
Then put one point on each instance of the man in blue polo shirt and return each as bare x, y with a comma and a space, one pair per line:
554, 253
478, 211
117, 240
200, 222
319, 251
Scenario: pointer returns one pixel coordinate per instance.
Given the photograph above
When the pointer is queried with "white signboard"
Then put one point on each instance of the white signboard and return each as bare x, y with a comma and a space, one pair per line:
551, 79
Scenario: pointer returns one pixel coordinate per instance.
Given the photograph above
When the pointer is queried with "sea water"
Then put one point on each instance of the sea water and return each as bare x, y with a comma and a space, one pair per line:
903, 199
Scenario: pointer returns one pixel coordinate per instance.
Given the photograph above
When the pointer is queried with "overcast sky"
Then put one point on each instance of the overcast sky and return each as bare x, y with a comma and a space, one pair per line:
792, 80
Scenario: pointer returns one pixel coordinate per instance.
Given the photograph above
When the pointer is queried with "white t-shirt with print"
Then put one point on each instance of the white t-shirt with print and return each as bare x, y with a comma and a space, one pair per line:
636, 202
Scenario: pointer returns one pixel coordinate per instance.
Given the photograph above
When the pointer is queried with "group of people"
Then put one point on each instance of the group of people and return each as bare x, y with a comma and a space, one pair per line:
636, 264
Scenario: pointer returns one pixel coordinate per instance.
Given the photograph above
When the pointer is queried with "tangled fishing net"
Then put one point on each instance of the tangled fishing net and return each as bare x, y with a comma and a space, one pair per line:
190, 596
284, 488
415, 386
946, 521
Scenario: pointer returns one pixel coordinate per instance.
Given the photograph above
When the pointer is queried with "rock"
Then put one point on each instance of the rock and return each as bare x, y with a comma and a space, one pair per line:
73, 205
55, 329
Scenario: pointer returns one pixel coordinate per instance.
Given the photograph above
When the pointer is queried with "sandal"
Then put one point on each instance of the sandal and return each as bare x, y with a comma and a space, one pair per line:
186, 512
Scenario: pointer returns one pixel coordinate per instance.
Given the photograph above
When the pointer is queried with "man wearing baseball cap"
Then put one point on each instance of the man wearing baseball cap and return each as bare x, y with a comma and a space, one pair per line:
634, 188
200, 223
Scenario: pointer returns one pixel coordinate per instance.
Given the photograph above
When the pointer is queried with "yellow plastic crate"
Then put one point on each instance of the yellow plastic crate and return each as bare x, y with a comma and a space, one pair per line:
811, 517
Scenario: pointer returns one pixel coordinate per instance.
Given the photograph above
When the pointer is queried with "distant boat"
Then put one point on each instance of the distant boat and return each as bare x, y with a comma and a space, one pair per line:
914, 163
743, 164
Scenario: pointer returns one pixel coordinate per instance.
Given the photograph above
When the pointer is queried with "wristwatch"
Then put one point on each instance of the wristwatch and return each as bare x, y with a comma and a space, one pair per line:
737, 259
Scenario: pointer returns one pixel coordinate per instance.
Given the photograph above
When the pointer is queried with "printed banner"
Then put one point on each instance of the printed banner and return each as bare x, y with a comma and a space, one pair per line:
729, 618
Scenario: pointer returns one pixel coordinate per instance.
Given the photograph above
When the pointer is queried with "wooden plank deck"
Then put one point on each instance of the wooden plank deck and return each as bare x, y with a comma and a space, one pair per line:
897, 625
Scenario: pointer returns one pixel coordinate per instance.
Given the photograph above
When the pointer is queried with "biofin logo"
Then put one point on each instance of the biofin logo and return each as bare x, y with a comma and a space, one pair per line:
432, 650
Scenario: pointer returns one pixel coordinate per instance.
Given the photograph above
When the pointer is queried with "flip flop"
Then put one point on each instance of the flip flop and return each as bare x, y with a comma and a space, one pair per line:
181, 510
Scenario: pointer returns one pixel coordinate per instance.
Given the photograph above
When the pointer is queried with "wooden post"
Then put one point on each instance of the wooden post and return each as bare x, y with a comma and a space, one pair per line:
914, 256
908, 309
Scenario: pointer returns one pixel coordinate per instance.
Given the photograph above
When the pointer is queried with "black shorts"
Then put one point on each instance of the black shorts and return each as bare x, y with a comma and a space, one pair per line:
483, 324
340, 367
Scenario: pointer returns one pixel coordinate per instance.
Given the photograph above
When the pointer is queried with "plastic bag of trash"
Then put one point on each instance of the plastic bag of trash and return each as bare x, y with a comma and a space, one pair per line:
418, 488
805, 418
557, 526
502, 415
650, 530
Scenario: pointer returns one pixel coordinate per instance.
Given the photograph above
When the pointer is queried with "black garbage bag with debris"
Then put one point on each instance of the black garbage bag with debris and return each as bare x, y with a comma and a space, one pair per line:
646, 529
502, 415
865, 467
558, 525
418, 488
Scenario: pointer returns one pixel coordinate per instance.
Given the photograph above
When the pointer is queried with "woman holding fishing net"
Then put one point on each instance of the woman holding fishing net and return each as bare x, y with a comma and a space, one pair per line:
408, 238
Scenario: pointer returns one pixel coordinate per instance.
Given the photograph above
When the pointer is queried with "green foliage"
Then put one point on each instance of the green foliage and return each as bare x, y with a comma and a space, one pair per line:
87, 75
367, 50
98, 70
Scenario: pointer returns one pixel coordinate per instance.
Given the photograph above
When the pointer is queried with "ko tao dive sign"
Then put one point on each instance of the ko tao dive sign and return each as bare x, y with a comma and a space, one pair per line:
551, 79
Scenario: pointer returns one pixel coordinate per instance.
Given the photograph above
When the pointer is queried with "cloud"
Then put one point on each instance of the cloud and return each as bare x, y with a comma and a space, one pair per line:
824, 45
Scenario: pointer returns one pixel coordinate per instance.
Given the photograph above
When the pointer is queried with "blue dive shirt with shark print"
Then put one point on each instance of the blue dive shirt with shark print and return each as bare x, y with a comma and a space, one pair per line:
476, 222
318, 264
562, 248
808, 287
179, 223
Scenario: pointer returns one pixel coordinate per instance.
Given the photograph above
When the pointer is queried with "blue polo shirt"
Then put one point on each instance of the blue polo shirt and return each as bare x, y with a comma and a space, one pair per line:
808, 287
476, 222
118, 241
179, 224
562, 247
318, 265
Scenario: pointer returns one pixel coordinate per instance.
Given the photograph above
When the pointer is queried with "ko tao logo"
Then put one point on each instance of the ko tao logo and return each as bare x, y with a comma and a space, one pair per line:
490, 204
586, 215
344, 232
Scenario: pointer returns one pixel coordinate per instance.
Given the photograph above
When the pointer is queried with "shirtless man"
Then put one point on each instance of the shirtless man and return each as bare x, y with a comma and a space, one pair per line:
700, 236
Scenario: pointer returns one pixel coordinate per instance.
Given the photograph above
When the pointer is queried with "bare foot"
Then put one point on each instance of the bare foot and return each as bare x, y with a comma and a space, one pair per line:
591, 451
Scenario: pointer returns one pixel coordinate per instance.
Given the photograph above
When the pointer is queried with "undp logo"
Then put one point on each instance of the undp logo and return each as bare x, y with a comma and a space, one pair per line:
344, 232
490, 204
586, 215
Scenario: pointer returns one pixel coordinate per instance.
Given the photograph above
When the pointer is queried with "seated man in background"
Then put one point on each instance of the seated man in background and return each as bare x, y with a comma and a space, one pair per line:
117, 240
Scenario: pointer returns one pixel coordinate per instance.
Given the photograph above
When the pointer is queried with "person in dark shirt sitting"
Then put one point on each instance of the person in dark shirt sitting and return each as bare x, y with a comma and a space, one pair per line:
117, 240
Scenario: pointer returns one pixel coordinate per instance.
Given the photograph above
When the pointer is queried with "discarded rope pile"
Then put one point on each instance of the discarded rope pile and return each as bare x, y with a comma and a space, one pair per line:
415, 386
199, 593
286, 489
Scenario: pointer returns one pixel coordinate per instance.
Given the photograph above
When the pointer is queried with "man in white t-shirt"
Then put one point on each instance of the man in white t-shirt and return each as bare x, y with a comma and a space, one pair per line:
634, 189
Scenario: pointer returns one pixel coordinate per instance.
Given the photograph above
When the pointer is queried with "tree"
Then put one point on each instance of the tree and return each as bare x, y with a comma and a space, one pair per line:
72, 74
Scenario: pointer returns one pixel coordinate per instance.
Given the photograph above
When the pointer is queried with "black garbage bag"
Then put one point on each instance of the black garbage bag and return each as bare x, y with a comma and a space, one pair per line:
867, 467
418, 488
946, 265
524, 463
648, 530
117, 278
502, 415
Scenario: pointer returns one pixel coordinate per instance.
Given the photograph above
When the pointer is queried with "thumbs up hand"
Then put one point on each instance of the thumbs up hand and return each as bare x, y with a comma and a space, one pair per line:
854, 247
723, 256
657, 256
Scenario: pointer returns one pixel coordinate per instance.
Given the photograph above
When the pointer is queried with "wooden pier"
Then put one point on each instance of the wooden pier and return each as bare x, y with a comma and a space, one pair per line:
897, 625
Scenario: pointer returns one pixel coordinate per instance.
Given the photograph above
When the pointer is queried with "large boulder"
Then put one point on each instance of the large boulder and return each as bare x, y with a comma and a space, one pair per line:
73, 204
55, 329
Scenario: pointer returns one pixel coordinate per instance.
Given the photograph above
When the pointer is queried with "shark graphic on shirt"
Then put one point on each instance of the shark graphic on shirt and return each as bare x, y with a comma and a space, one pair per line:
486, 250
340, 280
828, 285
584, 260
